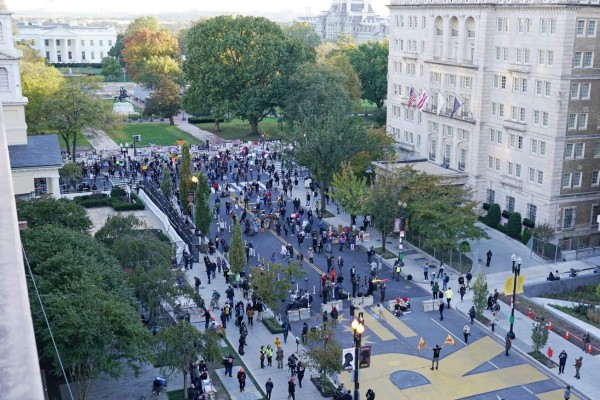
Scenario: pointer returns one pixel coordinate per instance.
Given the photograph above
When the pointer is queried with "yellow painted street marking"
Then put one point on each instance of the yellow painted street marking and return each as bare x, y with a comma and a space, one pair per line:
398, 325
555, 394
375, 326
477, 353
446, 383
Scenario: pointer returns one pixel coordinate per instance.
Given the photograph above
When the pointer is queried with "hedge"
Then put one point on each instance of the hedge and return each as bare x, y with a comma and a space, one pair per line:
486, 206
528, 223
93, 200
121, 204
506, 214
203, 120
272, 325
118, 192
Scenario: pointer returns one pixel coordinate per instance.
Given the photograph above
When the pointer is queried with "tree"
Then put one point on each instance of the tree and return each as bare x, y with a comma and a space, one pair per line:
544, 232
493, 216
242, 62
164, 101
480, 294
150, 56
73, 109
323, 353
203, 214
341, 62
70, 171
273, 284
302, 31
30, 54
166, 184
149, 23
111, 68
118, 225
50, 211
177, 349
237, 252
92, 313
314, 89
185, 176
539, 335
350, 191
370, 61
381, 149
40, 82
117, 48
513, 226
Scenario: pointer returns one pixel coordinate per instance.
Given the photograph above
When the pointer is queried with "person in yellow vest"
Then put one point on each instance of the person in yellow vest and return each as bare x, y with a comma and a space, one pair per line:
449, 293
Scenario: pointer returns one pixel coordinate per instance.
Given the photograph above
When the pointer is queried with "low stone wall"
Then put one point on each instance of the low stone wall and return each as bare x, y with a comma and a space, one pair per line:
562, 285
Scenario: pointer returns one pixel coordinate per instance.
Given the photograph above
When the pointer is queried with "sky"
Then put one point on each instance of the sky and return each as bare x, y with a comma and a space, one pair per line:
154, 6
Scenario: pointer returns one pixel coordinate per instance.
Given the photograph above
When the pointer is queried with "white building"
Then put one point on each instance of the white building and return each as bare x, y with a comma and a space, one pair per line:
525, 79
65, 44
354, 18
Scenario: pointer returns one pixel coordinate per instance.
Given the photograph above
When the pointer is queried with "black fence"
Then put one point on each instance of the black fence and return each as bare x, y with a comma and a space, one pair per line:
178, 223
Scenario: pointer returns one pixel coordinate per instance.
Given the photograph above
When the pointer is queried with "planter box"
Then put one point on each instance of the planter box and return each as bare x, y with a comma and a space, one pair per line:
293, 315
429, 305
339, 304
304, 313
326, 307
367, 301
325, 389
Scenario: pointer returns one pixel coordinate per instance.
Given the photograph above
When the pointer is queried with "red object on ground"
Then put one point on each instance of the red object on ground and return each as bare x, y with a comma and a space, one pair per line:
550, 325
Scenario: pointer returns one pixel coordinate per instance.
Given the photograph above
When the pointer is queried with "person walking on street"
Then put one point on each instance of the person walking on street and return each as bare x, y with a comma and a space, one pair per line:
577, 365
436, 356
469, 277
466, 333
300, 369
562, 361
269, 388
286, 330
507, 344
370, 394
488, 258
472, 314
382, 290
304, 332
291, 389
449, 294
241, 377
441, 309
462, 291
567, 393
435, 289
269, 354
426, 271
263, 355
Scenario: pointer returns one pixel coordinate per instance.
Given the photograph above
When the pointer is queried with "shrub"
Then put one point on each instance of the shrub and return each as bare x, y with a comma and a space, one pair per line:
506, 214
273, 325
526, 236
93, 200
513, 226
203, 120
528, 223
493, 216
486, 206
118, 192
121, 204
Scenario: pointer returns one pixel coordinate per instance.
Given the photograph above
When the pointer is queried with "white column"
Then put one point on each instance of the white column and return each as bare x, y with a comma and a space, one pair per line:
462, 40
77, 55
53, 57
447, 36
55, 183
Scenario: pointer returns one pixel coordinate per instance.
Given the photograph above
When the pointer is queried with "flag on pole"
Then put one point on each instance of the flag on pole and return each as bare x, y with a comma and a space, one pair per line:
423, 100
421, 344
457, 105
450, 340
441, 102
412, 96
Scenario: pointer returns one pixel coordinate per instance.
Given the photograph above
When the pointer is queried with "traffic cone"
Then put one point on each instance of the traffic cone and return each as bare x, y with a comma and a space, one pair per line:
549, 325
567, 336
530, 314
590, 348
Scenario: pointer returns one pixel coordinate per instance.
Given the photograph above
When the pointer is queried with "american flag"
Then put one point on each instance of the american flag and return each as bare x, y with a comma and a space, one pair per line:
412, 96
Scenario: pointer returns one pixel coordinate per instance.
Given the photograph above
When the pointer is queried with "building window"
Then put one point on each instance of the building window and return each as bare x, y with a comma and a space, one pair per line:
83, 55
531, 174
462, 159
582, 121
93, 56
4, 85
591, 29
70, 54
597, 150
48, 55
579, 150
568, 218
576, 179
531, 212
510, 203
101, 43
572, 121
446, 156
540, 177
579, 31
595, 178
543, 26
566, 181
569, 147
595, 213
577, 59
110, 42
588, 59
490, 196
432, 150
91, 42
585, 90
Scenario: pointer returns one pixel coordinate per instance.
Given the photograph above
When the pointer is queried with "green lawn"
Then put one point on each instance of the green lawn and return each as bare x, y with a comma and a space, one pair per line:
238, 129
365, 105
158, 133
82, 144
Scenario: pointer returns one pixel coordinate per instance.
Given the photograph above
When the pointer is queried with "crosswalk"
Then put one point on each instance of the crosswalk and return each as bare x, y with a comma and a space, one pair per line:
123, 182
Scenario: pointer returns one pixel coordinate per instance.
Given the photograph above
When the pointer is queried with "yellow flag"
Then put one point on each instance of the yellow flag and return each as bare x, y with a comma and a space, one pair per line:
520, 281
450, 340
421, 344
508, 286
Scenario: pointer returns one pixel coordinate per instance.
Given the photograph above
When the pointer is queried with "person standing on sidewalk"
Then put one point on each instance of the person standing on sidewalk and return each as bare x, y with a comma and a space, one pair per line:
488, 257
241, 377
567, 393
426, 271
586, 341
462, 291
269, 354
441, 309
507, 344
577, 365
300, 369
469, 277
269, 388
472, 314
436, 356
562, 361
263, 355
279, 357
286, 330
291, 389
449, 294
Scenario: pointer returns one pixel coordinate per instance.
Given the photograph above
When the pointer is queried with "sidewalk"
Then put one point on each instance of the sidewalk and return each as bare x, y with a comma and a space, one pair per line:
258, 336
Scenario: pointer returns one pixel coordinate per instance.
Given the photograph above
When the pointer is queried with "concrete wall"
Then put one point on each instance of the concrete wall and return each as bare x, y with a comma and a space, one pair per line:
563, 285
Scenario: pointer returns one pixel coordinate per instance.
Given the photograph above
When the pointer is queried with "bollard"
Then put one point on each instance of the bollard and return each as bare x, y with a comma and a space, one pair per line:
567, 335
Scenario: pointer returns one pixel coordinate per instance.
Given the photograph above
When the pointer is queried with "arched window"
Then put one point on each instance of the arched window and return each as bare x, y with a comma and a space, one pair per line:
4, 86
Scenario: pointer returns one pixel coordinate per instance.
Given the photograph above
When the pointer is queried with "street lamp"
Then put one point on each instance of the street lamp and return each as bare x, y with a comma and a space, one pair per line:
401, 235
358, 328
516, 269
125, 152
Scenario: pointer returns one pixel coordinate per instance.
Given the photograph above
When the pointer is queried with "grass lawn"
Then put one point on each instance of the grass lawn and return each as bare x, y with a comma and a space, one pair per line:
238, 129
365, 105
82, 144
158, 133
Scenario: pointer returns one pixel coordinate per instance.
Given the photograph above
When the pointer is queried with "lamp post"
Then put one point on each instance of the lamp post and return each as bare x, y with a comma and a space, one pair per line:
124, 152
516, 269
195, 182
358, 329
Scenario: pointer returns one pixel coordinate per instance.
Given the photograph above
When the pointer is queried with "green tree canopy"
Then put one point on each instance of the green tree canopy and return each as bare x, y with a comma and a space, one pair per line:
203, 214
166, 184
148, 22
185, 176
273, 284
370, 61
480, 294
323, 353
111, 68
237, 251
243, 63
164, 101
117, 48
350, 190
50, 211
302, 31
